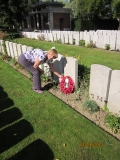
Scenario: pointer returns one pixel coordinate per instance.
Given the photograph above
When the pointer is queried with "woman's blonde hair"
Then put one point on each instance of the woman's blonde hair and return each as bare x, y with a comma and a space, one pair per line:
53, 52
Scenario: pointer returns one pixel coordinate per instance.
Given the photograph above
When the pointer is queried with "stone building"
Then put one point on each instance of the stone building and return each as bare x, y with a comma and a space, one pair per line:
48, 16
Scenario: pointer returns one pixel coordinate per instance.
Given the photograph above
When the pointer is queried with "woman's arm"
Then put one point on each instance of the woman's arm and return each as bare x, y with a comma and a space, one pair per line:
36, 66
37, 63
54, 71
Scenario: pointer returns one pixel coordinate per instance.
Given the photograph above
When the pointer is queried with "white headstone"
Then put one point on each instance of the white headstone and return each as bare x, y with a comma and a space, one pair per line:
54, 36
99, 84
62, 38
84, 35
2, 48
66, 38
114, 93
100, 41
95, 38
118, 41
113, 42
46, 36
11, 49
32, 35
24, 48
81, 35
35, 35
28, 34
7, 47
87, 38
50, 37
15, 50
70, 37
19, 46
29, 48
106, 40
59, 36
77, 39
71, 69
91, 35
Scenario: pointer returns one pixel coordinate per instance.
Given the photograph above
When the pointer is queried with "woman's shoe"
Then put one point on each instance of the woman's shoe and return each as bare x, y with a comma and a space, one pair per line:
38, 91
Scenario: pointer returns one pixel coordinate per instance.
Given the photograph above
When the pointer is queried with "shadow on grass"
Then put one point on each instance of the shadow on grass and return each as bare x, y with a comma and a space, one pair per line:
11, 134
5, 101
38, 150
9, 116
14, 133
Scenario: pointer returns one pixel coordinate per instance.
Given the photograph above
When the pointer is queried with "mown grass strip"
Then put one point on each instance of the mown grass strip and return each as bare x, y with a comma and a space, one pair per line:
86, 56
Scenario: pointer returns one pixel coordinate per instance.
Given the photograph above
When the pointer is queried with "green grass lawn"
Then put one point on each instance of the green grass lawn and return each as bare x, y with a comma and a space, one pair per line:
41, 127
87, 56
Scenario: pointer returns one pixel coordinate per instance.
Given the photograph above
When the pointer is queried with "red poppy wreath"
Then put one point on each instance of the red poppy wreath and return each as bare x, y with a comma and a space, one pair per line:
67, 85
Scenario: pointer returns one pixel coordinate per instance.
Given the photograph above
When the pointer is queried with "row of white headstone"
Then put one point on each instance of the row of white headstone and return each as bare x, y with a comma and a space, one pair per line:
62, 64
99, 38
105, 87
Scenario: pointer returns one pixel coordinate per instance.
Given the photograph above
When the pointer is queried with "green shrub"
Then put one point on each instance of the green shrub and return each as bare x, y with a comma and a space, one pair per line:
91, 45
73, 41
84, 75
113, 122
107, 46
91, 106
106, 108
5, 57
58, 41
78, 93
82, 42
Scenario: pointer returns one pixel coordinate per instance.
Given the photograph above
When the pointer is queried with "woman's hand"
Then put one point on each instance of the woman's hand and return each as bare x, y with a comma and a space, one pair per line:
60, 76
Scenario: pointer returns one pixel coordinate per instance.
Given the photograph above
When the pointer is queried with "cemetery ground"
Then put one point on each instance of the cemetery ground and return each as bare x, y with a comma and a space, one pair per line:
41, 126
54, 122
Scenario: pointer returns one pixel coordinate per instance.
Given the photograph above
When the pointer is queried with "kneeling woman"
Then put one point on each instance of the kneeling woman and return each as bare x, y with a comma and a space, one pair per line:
31, 61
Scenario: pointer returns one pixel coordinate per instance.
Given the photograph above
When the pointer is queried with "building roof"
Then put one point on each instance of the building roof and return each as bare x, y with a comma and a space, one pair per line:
46, 4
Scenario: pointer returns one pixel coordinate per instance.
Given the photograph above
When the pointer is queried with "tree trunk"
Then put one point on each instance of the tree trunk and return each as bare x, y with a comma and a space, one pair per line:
119, 23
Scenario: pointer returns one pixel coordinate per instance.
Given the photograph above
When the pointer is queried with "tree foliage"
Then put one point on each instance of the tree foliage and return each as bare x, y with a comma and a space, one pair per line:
91, 8
32, 2
95, 9
12, 12
49, 0
101, 8
116, 8
80, 8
